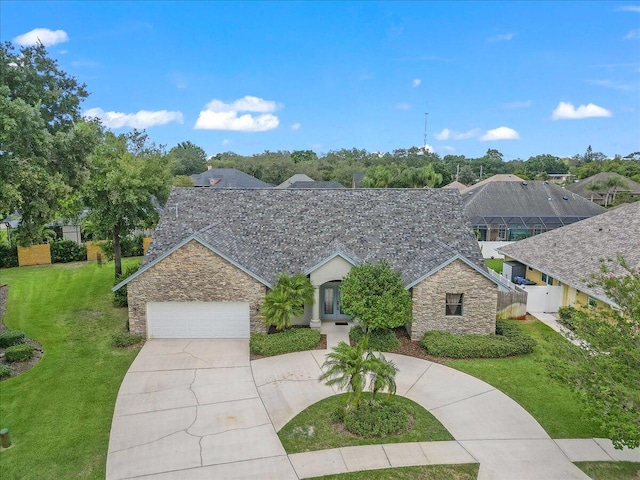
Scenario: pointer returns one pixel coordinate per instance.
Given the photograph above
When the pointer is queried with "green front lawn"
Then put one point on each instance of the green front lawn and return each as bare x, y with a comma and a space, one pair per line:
312, 430
59, 413
425, 472
525, 379
611, 470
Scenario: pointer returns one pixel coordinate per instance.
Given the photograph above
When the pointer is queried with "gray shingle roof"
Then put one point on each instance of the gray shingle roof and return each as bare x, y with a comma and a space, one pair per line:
298, 177
270, 231
572, 253
229, 178
314, 184
581, 187
533, 199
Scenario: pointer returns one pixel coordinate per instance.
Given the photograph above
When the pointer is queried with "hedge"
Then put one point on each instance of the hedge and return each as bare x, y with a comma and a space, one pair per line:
19, 353
129, 247
8, 256
65, 251
292, 340
120, 298
381, 340
14, 337
508, 341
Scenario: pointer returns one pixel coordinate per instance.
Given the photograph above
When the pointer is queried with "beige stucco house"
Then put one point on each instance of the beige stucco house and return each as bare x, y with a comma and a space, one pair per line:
216, 252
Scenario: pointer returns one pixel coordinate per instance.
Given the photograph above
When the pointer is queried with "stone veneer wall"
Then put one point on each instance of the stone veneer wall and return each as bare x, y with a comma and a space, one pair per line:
193, 273
479, 302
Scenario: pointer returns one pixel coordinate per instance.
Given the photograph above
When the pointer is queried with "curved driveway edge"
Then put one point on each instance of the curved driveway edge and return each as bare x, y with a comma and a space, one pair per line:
199, 409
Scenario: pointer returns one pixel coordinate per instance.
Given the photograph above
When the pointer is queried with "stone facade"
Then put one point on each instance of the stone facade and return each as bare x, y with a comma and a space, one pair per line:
479, 302
193, 273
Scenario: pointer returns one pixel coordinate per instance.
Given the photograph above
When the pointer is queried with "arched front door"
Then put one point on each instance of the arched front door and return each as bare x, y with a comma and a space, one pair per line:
330, 302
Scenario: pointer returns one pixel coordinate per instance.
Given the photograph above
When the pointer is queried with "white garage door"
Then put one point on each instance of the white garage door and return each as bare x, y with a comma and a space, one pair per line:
197, 320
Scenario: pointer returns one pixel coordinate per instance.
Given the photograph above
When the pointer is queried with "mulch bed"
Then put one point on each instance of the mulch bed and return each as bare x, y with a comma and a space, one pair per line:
411, 348
19, 367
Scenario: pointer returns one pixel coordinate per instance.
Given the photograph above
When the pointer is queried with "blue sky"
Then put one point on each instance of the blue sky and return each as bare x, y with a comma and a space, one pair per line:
525, 78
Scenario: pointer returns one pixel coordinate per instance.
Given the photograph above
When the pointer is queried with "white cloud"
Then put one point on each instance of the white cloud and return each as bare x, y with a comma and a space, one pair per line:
629, 8
226, 141
447, 148
402, 106
416, 82
63, 52
502, 37
566, 111
500, 133
447, 134
141, 119
633, 34
296, 126
43, 35
224, 116
524, 104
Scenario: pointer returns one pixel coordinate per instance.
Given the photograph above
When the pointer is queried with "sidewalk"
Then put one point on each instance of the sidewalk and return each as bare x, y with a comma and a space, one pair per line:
391, 455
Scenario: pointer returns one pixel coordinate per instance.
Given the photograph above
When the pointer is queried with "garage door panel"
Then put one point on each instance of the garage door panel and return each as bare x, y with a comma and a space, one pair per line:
198, 320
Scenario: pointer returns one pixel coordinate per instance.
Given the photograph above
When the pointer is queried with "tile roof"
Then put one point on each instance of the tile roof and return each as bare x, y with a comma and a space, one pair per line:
229, 178
526, 199
572, 253
318, 184
270, 231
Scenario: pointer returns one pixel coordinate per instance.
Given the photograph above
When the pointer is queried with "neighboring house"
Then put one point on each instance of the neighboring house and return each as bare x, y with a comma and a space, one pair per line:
560, 178
298, 177
568, 256
600, 196
216, 252
457, 185
318, 184
228, 178
498, 177
508, 211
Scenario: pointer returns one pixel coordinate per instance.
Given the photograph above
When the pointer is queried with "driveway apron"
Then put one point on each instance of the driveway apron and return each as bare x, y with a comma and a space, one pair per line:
190, 409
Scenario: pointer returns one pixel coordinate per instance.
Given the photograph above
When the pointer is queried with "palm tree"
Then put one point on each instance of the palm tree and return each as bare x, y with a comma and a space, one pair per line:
350, 367
613, 183
286, 300
347, 367
383, 376
595, 187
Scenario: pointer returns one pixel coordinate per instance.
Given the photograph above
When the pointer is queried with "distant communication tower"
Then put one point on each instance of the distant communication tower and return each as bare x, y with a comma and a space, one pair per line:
426, 115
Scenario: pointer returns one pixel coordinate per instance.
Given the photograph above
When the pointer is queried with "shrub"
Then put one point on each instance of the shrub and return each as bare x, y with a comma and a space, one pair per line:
286, 300
5, 371
508, 341
19, 353
124, 339
293, 340
120, 298
567, 314
8, 256
65, 251
376, 419
14, 337
129, 247
383, 340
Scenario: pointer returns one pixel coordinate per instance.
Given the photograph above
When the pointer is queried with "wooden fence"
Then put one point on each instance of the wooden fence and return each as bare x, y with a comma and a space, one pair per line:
512, 304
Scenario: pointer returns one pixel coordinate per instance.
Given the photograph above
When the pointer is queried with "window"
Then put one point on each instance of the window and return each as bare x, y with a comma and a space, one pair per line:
548, 279
454, 304
537, 229
593, 303
502, 232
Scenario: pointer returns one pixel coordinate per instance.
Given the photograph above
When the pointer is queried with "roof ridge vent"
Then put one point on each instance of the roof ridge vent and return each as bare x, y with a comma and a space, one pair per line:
525, 183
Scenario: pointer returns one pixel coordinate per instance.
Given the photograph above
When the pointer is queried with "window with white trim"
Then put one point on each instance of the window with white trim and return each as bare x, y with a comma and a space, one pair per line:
548, 279
454, 303
502, 232
593, 303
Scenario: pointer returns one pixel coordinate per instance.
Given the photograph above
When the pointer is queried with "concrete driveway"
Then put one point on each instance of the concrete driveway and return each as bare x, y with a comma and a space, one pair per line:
190, 409
199, 409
